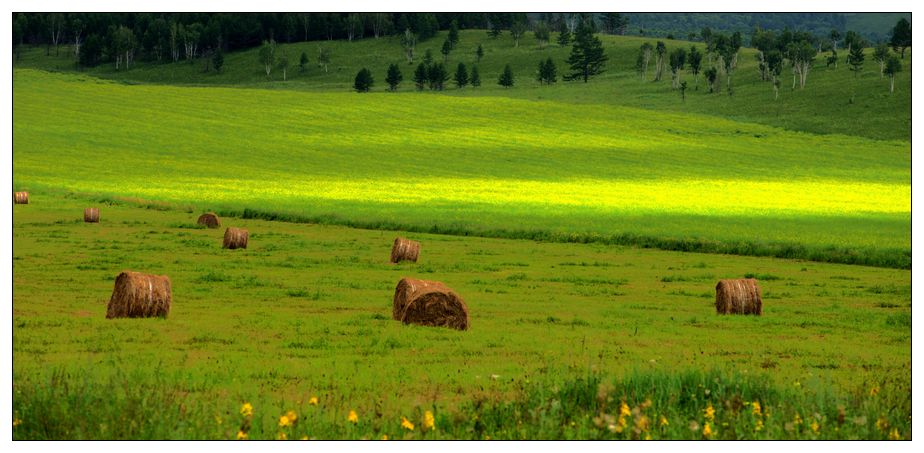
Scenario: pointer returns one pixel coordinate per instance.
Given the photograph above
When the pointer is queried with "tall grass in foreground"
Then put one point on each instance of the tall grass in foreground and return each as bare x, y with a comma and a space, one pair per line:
687, 404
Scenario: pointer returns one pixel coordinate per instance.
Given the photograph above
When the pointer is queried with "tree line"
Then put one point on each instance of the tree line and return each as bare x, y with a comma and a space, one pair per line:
121, 38
586, 60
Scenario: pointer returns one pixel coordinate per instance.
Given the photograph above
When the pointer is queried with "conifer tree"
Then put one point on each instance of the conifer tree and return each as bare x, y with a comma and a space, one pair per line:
587, 57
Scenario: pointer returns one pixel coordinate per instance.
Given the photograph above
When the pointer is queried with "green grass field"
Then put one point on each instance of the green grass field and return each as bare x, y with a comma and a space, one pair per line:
489, 166
544, 207
823, 107
305, 312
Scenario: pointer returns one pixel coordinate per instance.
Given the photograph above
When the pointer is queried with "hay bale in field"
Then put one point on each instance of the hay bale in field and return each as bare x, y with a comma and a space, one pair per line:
739, 296
138, 295
21, 198
404, 250
235, 238
91, 215
429, 303
209, 219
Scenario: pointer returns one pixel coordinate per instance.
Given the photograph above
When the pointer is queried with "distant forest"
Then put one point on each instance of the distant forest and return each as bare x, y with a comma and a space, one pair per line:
875, 27
97, 37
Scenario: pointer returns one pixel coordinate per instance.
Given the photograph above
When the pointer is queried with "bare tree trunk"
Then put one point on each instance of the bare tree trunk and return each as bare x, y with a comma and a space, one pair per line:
891, 84
881, 68
77, 43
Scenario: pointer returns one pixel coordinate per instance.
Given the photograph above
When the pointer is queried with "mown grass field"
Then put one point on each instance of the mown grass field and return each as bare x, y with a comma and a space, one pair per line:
542, 206
562, 336
488, 166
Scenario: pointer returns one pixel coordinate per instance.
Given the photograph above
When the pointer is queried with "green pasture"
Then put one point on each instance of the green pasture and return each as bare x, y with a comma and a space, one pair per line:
561, 336
833, 101
490, 166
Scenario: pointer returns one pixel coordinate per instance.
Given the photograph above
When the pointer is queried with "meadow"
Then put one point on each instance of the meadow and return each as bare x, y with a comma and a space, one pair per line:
565, 338
472, 166
823, 107
585, 225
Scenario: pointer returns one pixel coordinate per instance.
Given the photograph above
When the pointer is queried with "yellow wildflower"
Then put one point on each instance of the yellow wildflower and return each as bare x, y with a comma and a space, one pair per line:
707, 430
281, 436
246, 410
663, 421
305, 437
384, 436
292, 416
218, 419
882, 424
815, 426
241, 435
874, 391
759, 425
647, 436
353, 418
17, 422
406, 424
895, 435
755, 407
710, 412
624, 410
797, 419
313, 401
428, 421
284, 421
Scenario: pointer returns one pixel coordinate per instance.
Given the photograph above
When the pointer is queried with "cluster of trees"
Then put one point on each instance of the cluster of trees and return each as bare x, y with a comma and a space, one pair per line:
270, 59
586, 60
775, 51
119, 38
432, 76
720, 58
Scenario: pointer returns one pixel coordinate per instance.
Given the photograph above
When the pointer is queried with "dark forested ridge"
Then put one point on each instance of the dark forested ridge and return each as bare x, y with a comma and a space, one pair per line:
875, 27
124, 37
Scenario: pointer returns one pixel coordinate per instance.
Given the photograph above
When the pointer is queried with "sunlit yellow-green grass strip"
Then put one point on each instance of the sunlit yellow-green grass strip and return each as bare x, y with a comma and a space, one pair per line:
467, 165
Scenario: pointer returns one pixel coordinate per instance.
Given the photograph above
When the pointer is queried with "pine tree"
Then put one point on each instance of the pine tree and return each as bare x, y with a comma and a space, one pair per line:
461, 77
506, 78
303, 62
548, 74
901, 36
587, 57
437, 76
421, 76
856, 60
564, 35
474, 78
363, 81
479, 53
453, 34
447, 47
393, 77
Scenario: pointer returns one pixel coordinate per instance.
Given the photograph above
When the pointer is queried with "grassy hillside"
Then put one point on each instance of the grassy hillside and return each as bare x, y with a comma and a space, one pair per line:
822, 107
492, 166
562, 336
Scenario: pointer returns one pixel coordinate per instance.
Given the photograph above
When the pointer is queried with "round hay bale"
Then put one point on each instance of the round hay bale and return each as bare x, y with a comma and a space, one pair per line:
138, 295
21, 198
209, 219
739, 296
91, 215
429, 303
235, 238
404, 250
